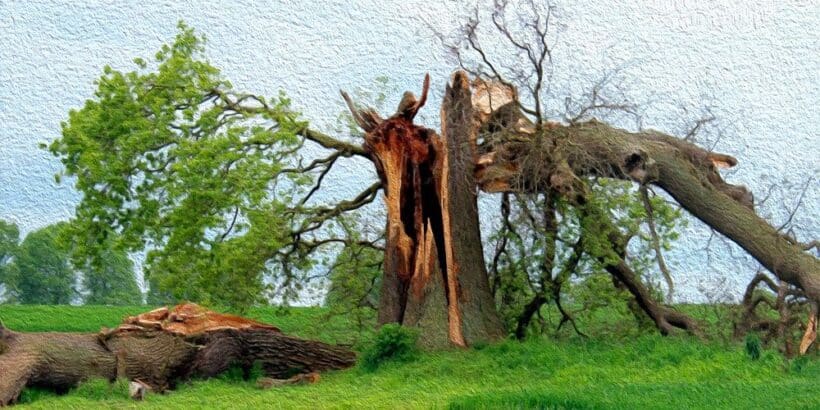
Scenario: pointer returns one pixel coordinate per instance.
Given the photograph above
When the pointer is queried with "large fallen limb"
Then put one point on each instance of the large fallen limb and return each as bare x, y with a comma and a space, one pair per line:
515, 156
159, 348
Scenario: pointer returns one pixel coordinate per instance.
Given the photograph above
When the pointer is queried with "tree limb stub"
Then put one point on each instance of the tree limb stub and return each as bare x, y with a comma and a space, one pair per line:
157, 349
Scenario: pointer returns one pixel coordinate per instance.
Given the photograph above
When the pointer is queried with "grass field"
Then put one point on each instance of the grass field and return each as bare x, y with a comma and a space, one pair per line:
647, 371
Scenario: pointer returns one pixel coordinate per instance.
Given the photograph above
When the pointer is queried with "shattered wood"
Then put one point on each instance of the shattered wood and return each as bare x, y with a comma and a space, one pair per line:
435, 277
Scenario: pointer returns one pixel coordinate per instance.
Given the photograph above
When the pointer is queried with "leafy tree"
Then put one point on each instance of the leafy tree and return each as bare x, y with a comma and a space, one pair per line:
547, 253
171, 159
355, 278
9, 240
44, 274
213, 183
40, 270
112, 281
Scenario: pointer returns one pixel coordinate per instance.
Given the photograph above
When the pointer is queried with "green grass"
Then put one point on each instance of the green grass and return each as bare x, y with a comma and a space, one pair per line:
643, 372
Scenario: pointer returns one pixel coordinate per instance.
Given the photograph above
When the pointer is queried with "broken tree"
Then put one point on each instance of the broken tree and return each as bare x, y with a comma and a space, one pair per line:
214, 173
158, 349
435, 276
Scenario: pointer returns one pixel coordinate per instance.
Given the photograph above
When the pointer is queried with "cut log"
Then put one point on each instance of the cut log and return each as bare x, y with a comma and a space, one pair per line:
157, 349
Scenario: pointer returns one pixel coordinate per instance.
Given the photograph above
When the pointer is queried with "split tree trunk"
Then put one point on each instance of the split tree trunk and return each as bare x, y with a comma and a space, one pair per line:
158, 353
435, 278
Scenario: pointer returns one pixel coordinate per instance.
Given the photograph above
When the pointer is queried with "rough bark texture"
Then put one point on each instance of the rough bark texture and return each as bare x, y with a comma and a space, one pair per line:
460, 211
666, 319
184, 343
435, 277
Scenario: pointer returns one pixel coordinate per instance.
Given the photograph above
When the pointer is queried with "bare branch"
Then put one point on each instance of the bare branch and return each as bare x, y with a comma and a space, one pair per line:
366, 118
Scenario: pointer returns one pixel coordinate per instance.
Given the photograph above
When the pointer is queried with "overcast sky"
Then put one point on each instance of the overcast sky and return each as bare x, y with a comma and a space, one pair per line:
756, 65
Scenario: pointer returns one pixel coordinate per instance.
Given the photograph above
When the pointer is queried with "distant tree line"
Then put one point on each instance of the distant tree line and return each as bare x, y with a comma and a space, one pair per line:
40, 270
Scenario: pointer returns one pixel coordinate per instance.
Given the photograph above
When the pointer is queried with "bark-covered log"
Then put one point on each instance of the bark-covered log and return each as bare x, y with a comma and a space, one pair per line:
159, 349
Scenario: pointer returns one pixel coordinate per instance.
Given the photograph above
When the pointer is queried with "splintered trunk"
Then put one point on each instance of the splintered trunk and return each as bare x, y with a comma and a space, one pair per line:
158, 349
435, 278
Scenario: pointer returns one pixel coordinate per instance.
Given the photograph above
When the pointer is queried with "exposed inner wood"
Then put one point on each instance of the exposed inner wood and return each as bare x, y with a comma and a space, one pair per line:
409, 158
186, 319
811, 333
455, 331
423, 260
487, 142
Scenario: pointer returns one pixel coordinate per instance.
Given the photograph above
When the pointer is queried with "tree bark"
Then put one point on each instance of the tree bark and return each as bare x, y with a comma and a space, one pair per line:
158, 353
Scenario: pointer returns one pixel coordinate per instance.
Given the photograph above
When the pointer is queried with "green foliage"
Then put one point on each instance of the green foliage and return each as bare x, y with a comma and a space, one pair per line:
535, 255
35, 394
355, 280
752, 346
522, 400
167, 161
44, 273
112, 281
393, 343
238, 372
40, 270
617, 204
606, 310
9, 239
801, 363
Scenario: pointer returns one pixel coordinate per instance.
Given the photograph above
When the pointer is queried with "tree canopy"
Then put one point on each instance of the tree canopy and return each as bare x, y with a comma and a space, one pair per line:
9, 239
171, 159
44, 274
111, 281
41, 270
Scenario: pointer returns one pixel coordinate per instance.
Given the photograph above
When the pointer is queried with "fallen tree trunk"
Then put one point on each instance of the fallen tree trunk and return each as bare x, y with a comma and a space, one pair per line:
159, 348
